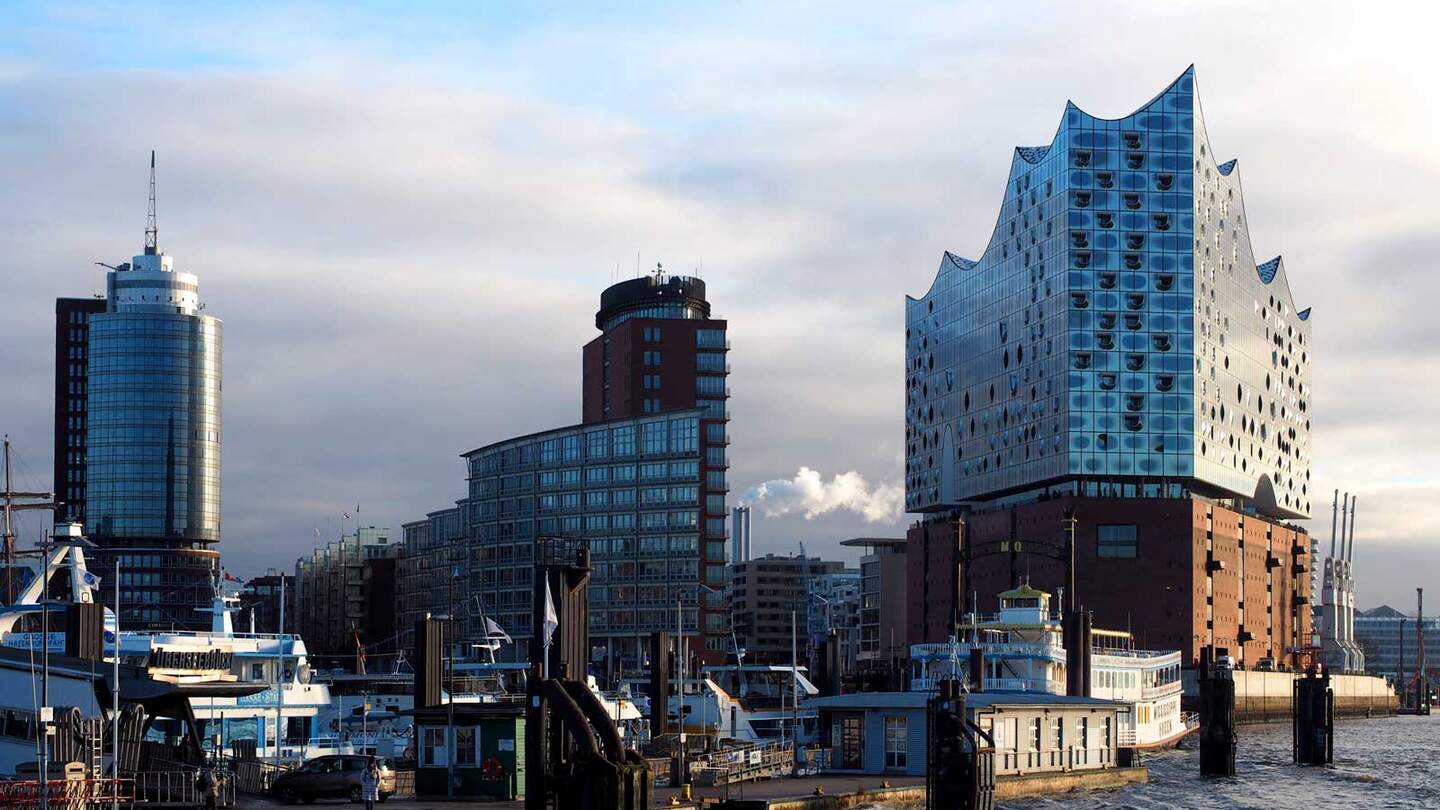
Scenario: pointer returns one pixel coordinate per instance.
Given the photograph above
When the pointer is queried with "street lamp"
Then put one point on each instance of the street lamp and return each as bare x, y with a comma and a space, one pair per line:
703, 697
828, 625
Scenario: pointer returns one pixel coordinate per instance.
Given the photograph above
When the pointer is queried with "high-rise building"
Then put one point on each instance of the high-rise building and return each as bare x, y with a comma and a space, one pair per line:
345, 596
884, 584
642, 479
1116, 343
148, 369
432, 551
770, 598
739, 534
72, 358
635, 490
658, 350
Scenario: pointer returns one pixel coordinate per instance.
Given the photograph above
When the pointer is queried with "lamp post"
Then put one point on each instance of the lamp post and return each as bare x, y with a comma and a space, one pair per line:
704, 696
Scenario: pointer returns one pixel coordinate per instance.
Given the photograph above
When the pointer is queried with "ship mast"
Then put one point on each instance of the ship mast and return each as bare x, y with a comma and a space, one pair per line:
16, 501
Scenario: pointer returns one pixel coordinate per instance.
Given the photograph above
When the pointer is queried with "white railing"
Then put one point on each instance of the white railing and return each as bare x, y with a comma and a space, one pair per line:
1163, 690
996, 684
945, 651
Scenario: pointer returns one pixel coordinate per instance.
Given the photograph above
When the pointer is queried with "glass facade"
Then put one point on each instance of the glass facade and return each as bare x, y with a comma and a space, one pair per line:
153, 431
632, 488
152, 441
1116, 333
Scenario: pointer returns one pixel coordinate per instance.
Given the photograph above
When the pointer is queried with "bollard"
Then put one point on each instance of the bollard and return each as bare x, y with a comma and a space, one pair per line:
1313, 719
960, 771
1217, 717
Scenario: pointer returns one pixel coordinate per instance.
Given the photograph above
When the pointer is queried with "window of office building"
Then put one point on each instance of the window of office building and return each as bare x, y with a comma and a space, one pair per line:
684, 435
624, 440
710, 338
710, 386
1116, 540
652, 438
597, 444
709, 361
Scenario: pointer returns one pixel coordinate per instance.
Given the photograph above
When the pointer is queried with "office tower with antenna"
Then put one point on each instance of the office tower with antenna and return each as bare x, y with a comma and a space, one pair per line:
138, 430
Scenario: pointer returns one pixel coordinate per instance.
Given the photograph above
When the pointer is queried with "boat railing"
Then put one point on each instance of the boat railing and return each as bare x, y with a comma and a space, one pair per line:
1163, 690
995, 685
1123, 652
942, 652
982, 619
237, 634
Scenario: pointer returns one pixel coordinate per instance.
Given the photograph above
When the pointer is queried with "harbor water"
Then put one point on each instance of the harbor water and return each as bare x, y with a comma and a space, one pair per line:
1379, 764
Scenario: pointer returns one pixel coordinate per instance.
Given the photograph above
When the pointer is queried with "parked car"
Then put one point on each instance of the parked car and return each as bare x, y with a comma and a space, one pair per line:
337, 775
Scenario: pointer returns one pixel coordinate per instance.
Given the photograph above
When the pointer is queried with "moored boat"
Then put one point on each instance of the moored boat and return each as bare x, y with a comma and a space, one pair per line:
1023, 651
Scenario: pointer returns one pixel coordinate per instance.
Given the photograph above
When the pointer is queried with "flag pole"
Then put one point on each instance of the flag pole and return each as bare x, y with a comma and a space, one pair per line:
115, 701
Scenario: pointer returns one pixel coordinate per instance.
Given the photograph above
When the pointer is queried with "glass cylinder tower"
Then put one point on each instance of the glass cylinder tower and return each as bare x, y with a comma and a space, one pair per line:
153, 438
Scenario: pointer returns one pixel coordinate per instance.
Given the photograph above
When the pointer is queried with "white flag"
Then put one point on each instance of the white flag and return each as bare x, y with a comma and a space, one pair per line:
494, 630
90, 580
551, 621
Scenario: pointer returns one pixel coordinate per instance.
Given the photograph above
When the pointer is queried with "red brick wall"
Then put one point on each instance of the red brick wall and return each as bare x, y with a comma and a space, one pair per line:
1161, 594
931, 553
627, 369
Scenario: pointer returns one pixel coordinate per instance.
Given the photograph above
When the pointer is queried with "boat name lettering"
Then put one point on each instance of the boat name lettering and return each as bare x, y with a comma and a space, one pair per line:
176, 659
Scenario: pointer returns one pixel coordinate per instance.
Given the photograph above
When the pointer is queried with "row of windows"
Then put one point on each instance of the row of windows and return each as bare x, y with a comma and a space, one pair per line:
651, 437
648, 496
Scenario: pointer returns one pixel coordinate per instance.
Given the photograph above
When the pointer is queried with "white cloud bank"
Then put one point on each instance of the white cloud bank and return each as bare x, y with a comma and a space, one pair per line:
808, 494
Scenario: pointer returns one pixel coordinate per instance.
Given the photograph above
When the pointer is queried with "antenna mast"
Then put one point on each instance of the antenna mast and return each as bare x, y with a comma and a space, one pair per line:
152, 233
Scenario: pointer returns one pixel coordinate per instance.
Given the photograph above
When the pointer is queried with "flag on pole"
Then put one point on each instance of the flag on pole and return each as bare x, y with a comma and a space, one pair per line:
551, 621
494, 630
90, 581
229, 577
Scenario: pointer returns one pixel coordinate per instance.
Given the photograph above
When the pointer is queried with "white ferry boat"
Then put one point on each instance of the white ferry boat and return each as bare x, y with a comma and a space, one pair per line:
266, 676
1024, 651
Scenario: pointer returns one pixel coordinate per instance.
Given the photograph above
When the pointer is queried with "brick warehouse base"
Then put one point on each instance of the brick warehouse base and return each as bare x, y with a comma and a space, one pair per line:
1197, 572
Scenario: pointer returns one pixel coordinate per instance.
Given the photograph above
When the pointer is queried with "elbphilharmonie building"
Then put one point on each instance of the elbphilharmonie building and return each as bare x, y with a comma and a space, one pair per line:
1117, 341
1117, 330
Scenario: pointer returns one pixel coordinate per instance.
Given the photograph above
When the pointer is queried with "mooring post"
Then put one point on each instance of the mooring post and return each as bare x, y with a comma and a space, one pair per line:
1217, 716
1313, 719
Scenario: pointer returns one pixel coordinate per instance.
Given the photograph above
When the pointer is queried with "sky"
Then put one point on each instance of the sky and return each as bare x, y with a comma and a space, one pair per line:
405, 215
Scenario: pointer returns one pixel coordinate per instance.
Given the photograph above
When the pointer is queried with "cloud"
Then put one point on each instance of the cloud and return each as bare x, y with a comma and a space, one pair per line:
808, 494
407, 244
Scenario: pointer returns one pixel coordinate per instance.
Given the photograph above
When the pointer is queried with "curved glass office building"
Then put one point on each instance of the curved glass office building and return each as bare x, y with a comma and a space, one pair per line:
1116, 333
153, 439
1119, 381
